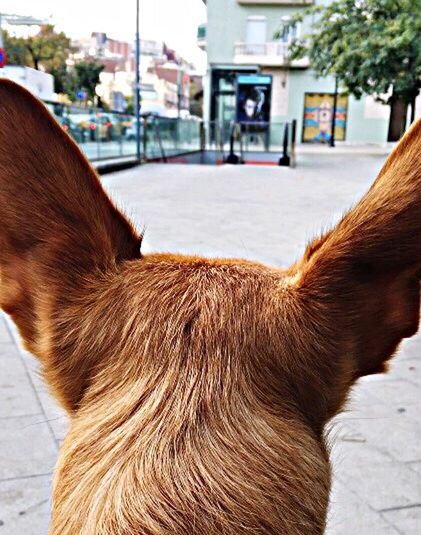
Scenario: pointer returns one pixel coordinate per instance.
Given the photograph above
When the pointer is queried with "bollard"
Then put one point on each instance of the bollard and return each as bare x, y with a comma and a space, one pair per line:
285, 160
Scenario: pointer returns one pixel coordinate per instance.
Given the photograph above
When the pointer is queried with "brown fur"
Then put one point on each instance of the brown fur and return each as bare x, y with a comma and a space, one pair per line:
197, 390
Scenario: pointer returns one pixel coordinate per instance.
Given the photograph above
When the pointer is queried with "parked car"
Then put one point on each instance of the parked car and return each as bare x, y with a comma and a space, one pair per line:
84, 121
130, 134
71, 128
104, 127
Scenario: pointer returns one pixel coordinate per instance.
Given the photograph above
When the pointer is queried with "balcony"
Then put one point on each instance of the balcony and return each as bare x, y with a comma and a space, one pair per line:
201, 36
271, 54
278, 2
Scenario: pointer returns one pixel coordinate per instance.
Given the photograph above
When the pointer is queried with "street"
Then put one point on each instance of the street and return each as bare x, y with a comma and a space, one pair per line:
260, 213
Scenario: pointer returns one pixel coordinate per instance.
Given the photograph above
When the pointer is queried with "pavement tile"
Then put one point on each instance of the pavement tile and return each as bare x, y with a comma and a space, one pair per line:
408, 368
407, 520
410, 348
378, 481
415, 466
55, 416
399, 436
17, 397
27, 447
396, 393
4, 332
24, 506
349, 515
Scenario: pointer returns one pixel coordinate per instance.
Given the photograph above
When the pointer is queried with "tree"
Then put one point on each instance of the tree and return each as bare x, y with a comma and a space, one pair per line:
373, 46
47, 51
130, 110
16, 51
85, 76
48, 48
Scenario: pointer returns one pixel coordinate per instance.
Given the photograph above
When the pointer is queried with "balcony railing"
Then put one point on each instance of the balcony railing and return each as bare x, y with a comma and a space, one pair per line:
267, 54
261, 49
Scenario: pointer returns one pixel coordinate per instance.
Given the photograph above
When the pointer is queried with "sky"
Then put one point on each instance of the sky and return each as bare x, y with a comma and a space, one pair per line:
172, 21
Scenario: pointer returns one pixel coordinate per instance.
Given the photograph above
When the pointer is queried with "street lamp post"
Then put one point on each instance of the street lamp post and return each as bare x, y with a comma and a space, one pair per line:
1, 33
137, 86
179, 94
335, 105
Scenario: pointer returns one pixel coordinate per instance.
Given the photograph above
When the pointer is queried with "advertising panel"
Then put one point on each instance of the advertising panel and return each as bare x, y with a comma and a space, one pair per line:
254, 94
318, 111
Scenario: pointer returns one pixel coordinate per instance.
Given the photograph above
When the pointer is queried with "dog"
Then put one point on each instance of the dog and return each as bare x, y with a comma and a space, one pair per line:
198, 390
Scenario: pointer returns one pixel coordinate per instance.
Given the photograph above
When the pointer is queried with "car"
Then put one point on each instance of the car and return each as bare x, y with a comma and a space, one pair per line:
104, 127
88, 127
130, 133
71, 128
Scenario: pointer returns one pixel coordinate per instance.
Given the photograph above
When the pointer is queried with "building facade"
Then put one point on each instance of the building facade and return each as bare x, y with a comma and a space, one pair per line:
239, 39
165, 76
40, 83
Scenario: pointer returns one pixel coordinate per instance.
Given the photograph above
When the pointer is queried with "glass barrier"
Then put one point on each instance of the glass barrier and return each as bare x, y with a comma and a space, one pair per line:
104, 135
167, 137
269, 138
255, 137
101, 134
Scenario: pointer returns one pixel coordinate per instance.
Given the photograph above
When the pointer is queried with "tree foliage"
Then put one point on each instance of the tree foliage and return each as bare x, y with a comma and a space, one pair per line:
87, 76
47, 50
16, 51
371, 45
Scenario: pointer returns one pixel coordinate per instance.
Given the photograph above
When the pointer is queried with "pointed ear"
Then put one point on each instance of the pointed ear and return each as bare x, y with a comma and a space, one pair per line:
56, 222
365, 273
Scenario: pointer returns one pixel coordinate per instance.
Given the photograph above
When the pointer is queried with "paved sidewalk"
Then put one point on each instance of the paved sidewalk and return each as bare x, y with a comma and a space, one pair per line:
260, 213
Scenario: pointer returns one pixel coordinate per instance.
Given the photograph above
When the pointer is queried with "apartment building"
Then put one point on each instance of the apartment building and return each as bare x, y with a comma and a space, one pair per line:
239, 40
165, 79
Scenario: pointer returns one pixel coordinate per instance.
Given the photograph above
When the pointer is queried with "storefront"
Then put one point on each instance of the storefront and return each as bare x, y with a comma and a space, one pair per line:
223, 79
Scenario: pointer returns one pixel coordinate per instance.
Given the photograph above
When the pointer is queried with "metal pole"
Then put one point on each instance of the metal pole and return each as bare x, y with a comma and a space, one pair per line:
285, 160
179, 94
335, 105
1, 34
137, 86
293, 140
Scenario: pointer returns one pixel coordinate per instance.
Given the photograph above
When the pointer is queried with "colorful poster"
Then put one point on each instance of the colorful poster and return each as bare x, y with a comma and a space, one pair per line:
254, 93
317, 122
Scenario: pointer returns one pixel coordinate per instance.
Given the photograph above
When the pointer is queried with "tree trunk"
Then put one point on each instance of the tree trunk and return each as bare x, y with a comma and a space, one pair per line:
397, 121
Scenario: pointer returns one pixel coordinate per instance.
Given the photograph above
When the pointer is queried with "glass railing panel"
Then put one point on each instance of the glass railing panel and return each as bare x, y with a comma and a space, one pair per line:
128, 132
101, 134
276, 137
171, 137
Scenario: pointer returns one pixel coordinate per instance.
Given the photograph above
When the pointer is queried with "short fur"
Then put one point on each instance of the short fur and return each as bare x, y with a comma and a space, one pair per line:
198, 390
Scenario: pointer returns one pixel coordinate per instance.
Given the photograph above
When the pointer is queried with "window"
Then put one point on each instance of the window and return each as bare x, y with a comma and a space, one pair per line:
289, 31
256, 30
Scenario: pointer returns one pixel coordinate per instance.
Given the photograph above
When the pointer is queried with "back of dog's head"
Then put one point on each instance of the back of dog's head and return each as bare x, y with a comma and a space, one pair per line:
197, 389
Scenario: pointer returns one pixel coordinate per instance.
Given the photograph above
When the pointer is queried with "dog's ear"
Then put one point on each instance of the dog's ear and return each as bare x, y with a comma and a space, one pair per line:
56, 223
364, 275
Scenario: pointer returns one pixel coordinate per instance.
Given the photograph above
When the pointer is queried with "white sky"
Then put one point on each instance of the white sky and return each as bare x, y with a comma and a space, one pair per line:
172, 21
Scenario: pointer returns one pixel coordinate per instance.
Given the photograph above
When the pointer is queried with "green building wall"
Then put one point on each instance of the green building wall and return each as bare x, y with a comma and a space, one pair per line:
227, 22
358, 127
